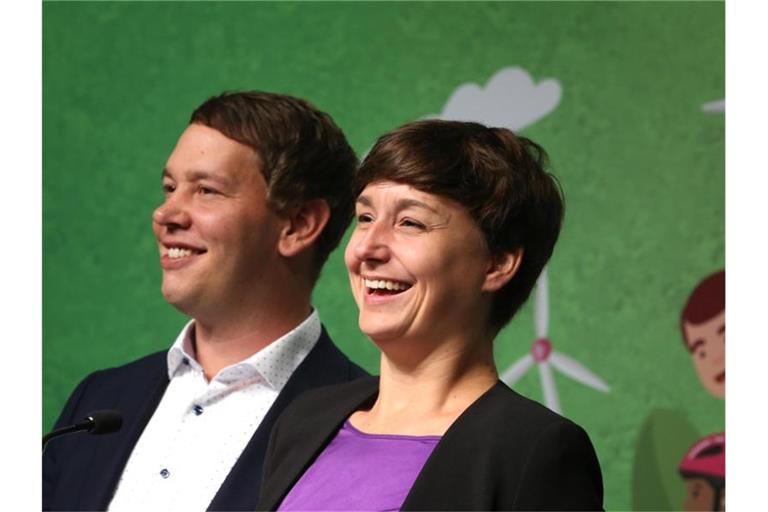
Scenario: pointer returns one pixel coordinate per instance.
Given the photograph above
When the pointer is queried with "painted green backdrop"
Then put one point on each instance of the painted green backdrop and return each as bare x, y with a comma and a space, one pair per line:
642, 167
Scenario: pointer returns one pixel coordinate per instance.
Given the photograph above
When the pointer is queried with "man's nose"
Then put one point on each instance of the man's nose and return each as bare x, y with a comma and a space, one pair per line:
172, 214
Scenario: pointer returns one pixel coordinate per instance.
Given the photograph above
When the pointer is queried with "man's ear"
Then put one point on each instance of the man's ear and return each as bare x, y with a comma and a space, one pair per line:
303, 226
502, 269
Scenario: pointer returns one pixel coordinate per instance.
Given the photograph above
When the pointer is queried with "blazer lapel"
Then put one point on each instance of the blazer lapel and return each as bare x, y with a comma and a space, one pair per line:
323, 366
313, 439
109, 459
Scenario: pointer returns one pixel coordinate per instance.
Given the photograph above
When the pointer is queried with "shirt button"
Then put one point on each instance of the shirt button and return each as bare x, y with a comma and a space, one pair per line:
185, 361
165, 473
198, 410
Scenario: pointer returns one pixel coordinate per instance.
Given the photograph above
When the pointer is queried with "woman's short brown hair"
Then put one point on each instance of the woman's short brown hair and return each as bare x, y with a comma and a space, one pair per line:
303, 155
499, 177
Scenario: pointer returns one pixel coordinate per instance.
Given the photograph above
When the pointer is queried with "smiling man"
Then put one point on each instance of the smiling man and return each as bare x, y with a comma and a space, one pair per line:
257, 194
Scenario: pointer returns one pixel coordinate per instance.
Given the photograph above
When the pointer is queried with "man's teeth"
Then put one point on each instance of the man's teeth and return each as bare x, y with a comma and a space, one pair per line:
385, 285
177, 252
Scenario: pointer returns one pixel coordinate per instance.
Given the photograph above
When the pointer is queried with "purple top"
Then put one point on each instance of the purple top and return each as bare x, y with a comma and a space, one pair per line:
359, 471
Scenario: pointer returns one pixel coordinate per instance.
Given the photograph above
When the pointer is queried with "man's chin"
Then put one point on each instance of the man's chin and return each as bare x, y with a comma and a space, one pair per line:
180, 300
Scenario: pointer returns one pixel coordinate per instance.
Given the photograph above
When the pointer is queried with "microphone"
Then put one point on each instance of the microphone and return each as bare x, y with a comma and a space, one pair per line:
98, 422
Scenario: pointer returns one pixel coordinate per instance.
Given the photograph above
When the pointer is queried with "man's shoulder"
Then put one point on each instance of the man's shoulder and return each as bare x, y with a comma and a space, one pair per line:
152, 363
327, 359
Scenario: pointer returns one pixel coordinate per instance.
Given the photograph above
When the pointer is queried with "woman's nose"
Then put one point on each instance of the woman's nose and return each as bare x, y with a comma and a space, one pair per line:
373, 245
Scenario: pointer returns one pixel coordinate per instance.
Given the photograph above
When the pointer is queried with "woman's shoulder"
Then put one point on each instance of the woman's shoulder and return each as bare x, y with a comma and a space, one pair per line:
504, 416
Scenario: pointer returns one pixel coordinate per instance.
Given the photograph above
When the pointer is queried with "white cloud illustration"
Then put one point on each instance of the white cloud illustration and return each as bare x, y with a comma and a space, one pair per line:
510, 99
714, 106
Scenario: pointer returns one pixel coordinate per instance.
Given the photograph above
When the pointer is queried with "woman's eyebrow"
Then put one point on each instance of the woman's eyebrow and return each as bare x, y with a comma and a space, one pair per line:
400, 204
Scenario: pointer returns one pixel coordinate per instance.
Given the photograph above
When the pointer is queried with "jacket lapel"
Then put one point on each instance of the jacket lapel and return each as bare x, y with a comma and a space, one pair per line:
323, 366
137, 405
312, 439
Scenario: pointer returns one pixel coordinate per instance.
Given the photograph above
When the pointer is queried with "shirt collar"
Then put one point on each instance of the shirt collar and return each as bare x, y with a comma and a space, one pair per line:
275, 363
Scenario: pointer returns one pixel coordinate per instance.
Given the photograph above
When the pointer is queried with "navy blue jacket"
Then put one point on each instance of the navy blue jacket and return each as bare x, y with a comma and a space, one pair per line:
81, 471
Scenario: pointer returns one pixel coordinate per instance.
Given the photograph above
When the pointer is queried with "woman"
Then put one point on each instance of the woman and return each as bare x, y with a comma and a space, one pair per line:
455, 221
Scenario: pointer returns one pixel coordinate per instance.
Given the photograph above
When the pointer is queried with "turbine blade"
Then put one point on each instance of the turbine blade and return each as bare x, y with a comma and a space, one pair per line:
578, 372
541, 306
517, 370
548, 385
714, 106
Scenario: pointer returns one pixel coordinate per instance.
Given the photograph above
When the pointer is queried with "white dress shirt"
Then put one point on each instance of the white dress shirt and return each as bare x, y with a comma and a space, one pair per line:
199, 429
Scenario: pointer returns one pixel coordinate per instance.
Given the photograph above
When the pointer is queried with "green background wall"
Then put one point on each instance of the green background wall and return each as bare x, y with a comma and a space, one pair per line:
642, 167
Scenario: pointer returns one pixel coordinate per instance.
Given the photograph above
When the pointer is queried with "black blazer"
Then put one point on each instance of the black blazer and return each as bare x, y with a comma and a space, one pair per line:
505, 452
81, 472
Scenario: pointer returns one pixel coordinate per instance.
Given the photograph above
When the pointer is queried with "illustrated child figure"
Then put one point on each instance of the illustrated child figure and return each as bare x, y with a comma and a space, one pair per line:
703, 468
703, 324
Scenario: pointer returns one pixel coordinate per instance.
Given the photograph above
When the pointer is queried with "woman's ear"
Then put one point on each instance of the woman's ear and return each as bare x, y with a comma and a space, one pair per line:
502, 269
303, 226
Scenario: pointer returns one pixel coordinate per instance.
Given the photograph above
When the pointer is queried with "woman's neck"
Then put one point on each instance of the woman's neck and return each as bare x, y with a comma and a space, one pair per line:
426, 397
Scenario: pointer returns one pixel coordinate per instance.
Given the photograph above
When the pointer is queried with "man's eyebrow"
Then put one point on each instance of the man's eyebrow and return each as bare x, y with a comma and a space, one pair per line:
197, 175
696, 344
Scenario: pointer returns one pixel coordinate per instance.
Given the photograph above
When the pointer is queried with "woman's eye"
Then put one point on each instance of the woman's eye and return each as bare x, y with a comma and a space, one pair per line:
410, 223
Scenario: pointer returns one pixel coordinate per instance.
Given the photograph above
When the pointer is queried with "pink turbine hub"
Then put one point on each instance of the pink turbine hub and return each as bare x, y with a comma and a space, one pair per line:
541, 349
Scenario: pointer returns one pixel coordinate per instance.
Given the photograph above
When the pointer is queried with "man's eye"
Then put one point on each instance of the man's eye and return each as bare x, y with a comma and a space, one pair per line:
207, 191
168, 188
364, 218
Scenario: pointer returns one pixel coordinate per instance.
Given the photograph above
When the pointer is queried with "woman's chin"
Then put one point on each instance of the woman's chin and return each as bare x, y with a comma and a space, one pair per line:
381, 332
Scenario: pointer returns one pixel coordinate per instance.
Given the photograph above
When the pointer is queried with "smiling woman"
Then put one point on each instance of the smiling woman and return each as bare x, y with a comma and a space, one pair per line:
455, 222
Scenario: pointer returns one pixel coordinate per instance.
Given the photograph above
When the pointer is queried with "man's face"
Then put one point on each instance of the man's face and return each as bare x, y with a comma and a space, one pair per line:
217, 237
706, 342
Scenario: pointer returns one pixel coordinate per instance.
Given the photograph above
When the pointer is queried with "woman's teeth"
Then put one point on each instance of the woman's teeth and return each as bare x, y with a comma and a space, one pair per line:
374, 284
177, 252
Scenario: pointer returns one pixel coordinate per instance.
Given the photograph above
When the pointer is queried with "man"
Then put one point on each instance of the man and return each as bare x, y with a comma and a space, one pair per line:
703, 324
257, 194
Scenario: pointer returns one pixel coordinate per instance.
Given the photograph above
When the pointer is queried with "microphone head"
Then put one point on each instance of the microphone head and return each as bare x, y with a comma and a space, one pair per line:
105, 421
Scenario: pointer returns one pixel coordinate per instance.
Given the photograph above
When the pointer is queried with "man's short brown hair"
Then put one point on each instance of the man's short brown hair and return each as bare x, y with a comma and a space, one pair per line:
302, 153
496, 175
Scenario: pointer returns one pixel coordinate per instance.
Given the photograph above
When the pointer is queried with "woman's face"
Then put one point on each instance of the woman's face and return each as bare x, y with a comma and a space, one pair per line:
418, 264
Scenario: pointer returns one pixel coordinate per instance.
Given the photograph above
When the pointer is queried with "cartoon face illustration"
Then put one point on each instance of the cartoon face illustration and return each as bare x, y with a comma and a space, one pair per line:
700, 495
702, 321
706, 342
703, 470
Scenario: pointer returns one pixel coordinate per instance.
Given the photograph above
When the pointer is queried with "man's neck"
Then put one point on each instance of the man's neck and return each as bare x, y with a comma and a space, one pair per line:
219, 344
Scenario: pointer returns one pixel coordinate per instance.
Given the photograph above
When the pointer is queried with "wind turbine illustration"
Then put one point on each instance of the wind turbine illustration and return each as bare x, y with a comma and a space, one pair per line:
546, 358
